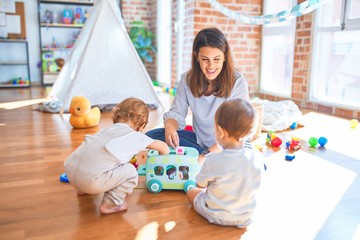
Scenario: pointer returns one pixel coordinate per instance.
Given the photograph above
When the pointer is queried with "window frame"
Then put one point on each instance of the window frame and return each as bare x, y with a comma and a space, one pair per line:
346, 24
273, 30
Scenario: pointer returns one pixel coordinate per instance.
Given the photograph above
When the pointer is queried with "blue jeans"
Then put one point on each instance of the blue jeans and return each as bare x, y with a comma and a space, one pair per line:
187, 138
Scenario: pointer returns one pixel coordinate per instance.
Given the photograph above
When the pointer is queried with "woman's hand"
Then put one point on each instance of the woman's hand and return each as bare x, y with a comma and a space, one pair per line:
171, 135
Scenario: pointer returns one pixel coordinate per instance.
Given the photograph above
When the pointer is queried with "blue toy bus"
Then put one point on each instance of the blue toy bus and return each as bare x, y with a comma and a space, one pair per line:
173, 171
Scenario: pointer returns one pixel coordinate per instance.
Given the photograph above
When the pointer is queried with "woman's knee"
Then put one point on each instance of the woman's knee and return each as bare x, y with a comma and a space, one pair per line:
157, 134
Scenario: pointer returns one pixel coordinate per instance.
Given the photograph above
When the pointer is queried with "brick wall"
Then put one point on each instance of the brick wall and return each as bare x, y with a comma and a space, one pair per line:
244, 39
146, 11
301, 73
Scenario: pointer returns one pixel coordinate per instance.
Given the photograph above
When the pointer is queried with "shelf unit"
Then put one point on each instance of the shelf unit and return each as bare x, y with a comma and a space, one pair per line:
14, 67
58, 33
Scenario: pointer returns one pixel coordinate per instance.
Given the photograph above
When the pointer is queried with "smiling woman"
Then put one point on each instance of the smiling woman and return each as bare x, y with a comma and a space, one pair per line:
211, 80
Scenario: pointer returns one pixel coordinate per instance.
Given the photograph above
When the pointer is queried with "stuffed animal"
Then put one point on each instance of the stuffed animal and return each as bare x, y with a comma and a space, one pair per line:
82, 115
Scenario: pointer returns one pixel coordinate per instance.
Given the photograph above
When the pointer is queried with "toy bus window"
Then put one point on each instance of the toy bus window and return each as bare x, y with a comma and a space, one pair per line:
159, 171
184, 172
171, 172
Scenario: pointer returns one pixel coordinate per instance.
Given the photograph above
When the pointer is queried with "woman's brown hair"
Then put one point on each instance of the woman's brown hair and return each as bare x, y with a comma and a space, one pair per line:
211, 37
132, 110
236, 117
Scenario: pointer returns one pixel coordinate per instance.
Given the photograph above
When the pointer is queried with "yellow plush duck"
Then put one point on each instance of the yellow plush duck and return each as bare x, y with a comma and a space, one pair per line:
82, 115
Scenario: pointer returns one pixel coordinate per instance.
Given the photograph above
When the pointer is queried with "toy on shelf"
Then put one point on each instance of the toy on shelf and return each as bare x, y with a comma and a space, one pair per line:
354, 123
60, 63
82, 115
48, 62
294, 144
67, 17
48, 17
18, 81
273, 139
78, 16
173, 171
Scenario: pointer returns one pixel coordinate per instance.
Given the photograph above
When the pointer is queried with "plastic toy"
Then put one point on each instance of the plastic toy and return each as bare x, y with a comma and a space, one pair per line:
313, 141
294, 144
64, 178
273, 140
171, 91
289, 157
322, 141
354, 123
48, 62
172, 171
294, 125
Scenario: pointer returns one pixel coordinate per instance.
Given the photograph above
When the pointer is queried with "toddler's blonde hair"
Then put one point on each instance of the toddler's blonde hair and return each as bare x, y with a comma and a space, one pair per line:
132, 110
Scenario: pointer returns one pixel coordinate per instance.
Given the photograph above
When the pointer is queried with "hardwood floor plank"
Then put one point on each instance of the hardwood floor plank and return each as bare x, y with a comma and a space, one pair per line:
316, 196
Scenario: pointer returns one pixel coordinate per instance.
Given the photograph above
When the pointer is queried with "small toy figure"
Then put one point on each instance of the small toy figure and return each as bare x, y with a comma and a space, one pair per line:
79, 17
48, 17
48, 64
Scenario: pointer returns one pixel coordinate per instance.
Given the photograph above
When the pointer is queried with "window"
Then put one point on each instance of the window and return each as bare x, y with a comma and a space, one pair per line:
335, 75
277, 57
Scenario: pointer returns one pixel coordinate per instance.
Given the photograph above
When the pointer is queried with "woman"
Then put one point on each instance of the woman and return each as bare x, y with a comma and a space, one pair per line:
211, 81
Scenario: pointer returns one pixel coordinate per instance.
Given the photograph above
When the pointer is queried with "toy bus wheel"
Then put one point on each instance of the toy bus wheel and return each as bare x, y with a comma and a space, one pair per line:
154, 186
189, 185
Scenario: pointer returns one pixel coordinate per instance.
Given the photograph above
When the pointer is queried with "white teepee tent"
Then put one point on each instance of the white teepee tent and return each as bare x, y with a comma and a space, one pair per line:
103, 65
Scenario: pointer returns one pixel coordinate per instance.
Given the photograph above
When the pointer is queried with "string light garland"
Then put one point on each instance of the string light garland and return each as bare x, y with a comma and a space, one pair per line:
296, 11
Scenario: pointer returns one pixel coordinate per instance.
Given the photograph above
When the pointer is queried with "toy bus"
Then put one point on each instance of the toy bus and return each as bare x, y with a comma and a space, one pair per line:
175, 171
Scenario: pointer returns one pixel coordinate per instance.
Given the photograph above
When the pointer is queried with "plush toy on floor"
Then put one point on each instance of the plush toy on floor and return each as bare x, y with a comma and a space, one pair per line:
82, 115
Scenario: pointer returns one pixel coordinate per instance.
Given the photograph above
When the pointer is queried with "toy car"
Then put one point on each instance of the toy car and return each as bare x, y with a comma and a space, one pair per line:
173, 171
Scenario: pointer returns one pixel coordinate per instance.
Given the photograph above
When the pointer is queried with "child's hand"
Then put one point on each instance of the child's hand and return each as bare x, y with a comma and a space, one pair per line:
201, 160
141, 157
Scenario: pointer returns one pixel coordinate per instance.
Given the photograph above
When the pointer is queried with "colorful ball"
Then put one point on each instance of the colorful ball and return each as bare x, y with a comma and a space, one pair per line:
354, 123
322, 141
313, 141
276, 142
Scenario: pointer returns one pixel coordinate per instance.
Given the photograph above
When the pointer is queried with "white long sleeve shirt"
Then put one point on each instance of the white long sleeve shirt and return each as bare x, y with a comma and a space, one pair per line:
203, 109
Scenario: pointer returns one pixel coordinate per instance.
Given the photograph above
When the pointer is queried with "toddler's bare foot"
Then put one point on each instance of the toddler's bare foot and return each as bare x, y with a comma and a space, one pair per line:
79, 193
106, 208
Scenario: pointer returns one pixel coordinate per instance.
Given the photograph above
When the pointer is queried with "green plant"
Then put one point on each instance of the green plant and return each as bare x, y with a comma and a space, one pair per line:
142, 39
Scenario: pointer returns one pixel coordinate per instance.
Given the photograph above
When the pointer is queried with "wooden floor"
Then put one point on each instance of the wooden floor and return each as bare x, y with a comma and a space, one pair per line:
316, 196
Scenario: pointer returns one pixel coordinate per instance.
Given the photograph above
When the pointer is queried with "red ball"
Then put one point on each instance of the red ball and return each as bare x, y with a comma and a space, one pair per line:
276, 142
